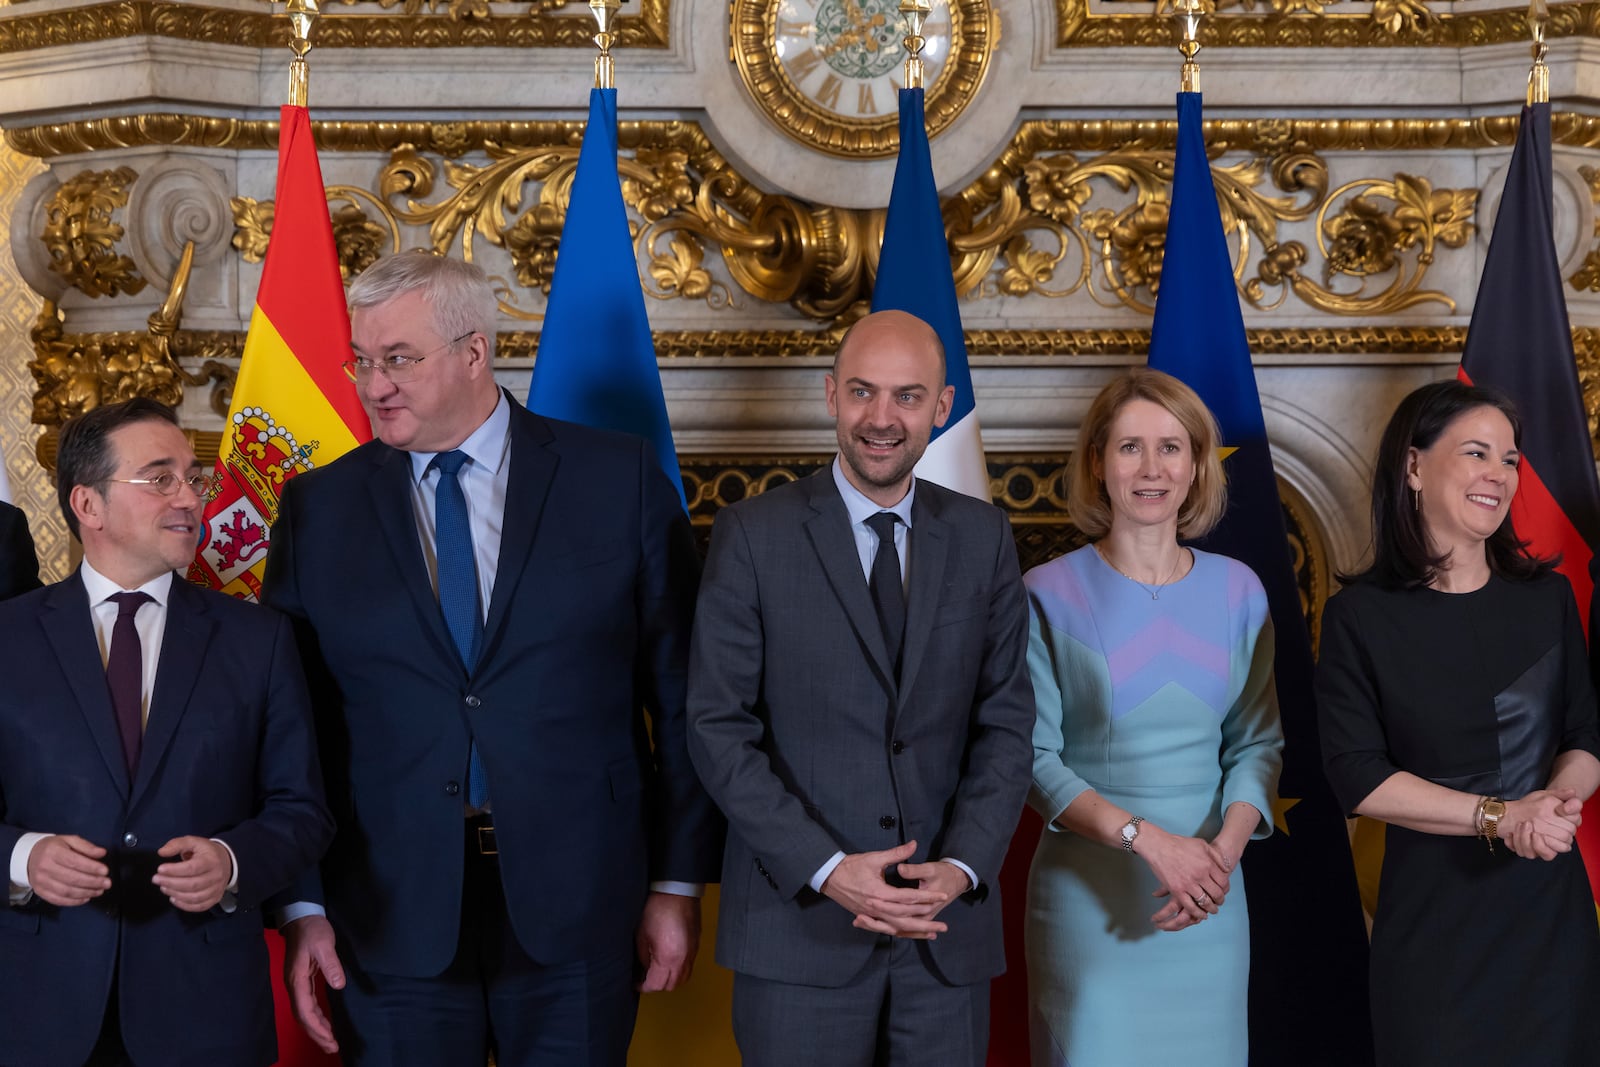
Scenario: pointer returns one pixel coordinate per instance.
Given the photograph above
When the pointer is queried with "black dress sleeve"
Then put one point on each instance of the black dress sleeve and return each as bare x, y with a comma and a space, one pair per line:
1355, 749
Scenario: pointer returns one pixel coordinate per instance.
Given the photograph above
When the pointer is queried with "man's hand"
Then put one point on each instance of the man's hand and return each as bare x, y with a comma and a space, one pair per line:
939, 876
308, 951
667, 940
857, 884
65, 870
200, 877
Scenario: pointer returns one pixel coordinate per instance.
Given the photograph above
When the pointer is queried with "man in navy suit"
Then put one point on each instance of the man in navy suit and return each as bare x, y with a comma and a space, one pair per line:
158, 777
19, 565
489, 603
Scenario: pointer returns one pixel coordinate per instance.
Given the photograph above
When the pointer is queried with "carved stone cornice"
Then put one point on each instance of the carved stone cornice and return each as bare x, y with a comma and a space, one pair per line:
1316, 24
453, 139
28, 31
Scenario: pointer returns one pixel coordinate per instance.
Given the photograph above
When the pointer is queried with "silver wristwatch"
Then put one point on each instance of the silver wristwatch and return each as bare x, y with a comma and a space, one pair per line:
1131, 831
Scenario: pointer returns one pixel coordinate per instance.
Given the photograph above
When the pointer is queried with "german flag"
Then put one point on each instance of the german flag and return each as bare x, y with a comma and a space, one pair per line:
294, 407
1521, 343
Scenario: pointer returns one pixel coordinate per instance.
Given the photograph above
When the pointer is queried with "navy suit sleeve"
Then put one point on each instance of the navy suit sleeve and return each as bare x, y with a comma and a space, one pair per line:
291, 828
686, 830
280, 589
19, 564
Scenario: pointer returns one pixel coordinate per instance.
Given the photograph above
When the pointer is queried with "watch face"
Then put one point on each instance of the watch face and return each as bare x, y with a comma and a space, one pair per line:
827, 72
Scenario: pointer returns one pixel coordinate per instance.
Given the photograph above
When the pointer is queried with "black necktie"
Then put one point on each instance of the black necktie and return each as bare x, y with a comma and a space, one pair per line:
888, 591
125, 675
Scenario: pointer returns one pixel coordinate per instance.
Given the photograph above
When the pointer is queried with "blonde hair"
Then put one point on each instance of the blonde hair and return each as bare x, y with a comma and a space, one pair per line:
1087, 502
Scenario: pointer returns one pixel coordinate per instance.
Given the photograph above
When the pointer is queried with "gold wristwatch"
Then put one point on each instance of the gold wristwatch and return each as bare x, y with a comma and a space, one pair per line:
1490, 811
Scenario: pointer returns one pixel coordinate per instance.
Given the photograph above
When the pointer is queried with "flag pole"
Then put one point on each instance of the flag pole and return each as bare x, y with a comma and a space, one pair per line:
1188, 12
302, 16
915, 12
1539, 76
605, 11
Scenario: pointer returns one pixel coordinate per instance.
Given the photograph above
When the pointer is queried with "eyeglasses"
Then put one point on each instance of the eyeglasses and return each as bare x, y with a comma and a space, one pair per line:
398, 369
204, 486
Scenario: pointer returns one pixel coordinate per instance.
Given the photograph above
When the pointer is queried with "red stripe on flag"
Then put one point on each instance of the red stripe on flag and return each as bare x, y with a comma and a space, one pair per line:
301, 290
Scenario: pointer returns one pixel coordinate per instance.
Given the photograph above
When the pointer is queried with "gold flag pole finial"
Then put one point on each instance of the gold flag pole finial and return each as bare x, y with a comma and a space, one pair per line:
915, 12
1189, 12
302, 16
605, 71
1539, 76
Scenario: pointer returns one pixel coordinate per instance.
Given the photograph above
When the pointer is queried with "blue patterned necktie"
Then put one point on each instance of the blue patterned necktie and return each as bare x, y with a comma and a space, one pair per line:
458, 588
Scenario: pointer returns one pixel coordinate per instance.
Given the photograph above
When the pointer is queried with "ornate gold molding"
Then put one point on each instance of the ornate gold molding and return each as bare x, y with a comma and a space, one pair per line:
1315, 24
81, 232
455, 139
465, 23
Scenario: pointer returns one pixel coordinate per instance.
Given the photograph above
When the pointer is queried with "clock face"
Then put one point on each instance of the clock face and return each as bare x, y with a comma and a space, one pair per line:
827, 71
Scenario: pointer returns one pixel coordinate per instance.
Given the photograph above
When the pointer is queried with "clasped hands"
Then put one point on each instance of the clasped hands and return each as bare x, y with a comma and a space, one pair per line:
67, 870
858, 884
1195, 875
1543, 824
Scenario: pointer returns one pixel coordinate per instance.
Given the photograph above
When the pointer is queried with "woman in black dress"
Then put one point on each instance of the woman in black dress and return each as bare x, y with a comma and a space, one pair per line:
1456, 706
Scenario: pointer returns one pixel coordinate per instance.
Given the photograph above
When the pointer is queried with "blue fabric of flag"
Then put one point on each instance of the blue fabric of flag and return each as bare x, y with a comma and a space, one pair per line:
914, 266
1308, 944
596, 362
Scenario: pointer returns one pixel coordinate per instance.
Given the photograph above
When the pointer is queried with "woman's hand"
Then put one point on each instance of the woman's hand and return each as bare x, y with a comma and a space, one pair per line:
1542, 825
1193, 873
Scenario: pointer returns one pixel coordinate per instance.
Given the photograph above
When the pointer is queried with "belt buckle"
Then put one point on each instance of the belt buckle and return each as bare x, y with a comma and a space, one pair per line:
486, 842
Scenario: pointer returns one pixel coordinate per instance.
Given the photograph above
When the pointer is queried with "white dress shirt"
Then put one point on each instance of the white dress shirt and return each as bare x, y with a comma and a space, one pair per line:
151, 624
860, 508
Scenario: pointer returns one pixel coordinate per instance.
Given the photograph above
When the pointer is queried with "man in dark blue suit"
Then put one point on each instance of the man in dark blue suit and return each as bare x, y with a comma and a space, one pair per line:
19, 565
158, 777
490, 602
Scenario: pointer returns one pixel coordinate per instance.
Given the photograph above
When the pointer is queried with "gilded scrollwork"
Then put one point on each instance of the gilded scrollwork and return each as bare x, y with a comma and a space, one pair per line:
398, 24
1587, 276
1383, 228
1316, 24
358, 240
81, 232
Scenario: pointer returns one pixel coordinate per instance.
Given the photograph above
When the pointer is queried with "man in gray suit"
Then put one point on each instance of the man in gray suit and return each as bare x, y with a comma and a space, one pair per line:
861, 711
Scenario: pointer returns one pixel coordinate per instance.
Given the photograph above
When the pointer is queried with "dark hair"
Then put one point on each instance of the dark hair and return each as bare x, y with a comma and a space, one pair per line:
84, 455
1402, 558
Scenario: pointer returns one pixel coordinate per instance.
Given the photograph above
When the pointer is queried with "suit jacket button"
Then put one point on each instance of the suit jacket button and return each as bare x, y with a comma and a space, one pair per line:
473, 701
452, 788
898, 747
130, 840
888, 822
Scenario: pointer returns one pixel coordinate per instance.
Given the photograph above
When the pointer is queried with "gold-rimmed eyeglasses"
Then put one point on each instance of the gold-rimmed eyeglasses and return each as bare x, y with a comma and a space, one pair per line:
204, 486
398, 369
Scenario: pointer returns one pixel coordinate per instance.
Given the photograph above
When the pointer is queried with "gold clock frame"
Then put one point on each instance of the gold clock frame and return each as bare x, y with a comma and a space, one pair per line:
752, 37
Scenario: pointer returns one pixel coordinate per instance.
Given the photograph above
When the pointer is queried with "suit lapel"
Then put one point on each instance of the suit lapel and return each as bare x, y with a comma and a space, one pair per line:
829, 530
64, 615
533, 470
184, 645
390, 486
929, 547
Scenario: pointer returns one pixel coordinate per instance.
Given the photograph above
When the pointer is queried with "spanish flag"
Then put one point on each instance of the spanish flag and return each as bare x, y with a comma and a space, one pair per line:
294, 407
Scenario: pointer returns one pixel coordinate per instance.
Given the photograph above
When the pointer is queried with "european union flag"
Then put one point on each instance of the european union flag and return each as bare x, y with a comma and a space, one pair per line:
1308, 942
914, 275
596, 360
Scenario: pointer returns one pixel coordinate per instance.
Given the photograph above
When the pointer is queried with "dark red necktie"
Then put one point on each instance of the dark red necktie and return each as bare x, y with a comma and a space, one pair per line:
125, 675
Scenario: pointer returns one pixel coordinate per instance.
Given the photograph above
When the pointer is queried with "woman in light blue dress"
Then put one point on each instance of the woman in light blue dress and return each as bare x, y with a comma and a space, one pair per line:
1156, 750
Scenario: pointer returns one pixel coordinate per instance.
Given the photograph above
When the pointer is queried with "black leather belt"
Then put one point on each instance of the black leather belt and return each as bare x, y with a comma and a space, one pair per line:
480, 835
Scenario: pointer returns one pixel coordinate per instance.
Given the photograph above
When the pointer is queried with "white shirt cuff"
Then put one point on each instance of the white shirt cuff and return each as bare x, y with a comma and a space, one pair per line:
229, 902
821, 877
298, 910
964, 869
679, 889
21, 890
